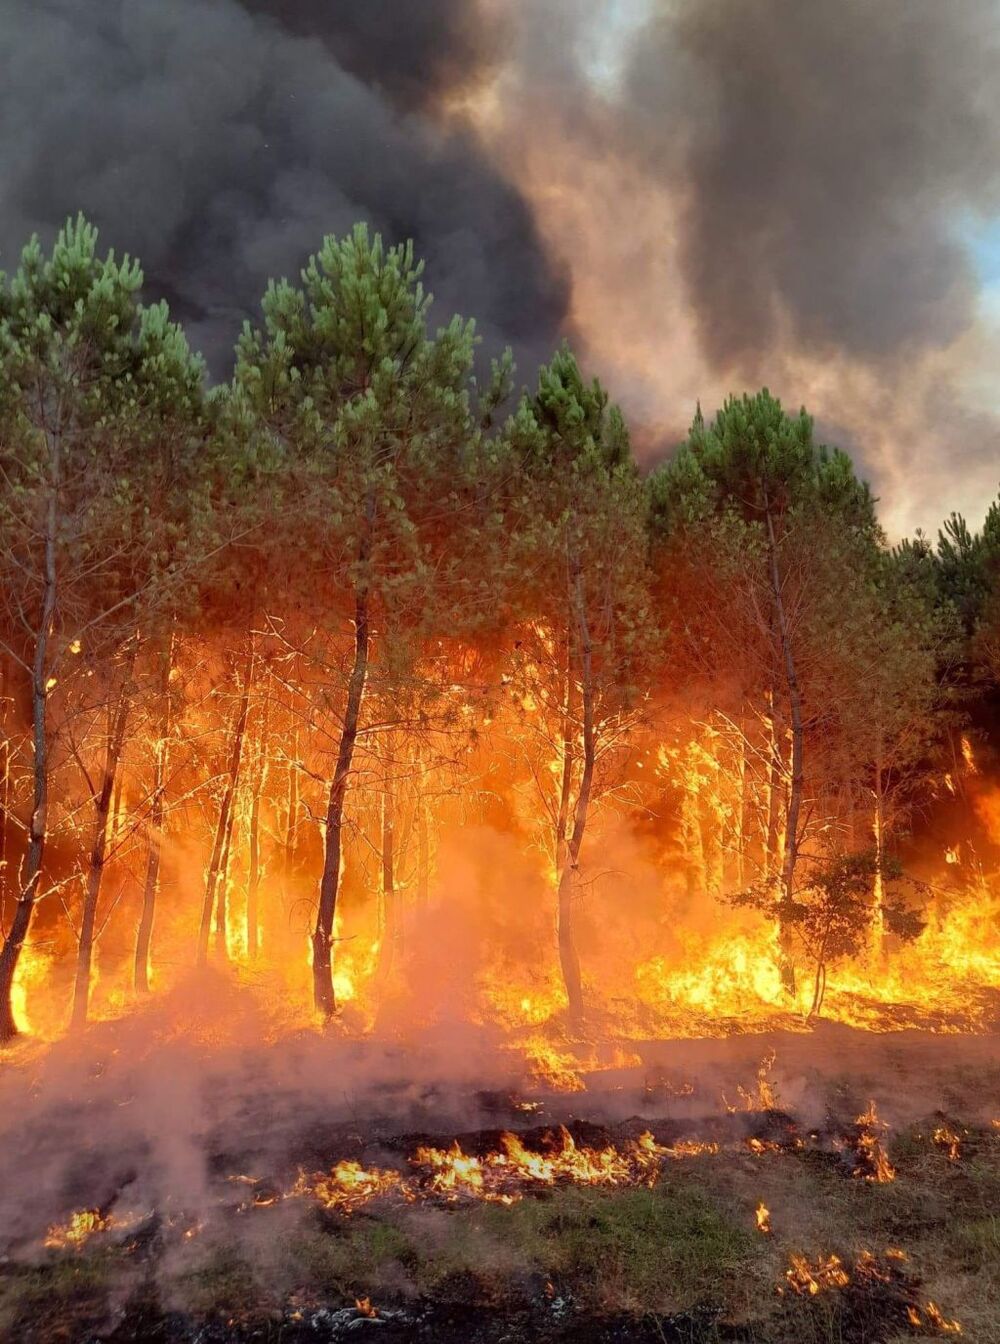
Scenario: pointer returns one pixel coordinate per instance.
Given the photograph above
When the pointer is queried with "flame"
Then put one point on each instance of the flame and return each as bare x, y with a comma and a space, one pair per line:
349, 1186
695, 968
876, 1166
502, 1175
946, 1138
932, 1317
808, 1279
81, 1227
763, 1215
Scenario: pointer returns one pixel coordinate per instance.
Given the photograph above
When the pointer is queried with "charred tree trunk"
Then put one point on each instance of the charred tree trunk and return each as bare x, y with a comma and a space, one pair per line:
322, 939
117, 722
28, 894
215, 885
157, 815
797, 775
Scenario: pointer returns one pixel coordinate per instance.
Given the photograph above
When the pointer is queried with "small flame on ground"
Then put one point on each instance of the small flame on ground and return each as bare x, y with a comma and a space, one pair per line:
878, 1169
946, 1138
808, 1279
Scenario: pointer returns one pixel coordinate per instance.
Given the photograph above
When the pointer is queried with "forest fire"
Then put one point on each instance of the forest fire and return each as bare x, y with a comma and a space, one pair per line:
382, 774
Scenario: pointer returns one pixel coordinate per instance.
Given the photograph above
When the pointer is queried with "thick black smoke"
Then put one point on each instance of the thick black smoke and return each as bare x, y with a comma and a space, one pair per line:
415, 53
823, 152
220, 145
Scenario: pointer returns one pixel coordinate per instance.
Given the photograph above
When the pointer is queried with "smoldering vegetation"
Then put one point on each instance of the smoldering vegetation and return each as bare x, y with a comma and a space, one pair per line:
204, 1182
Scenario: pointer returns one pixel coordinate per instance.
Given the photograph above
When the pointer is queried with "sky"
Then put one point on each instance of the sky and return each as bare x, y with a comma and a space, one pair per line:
703, 196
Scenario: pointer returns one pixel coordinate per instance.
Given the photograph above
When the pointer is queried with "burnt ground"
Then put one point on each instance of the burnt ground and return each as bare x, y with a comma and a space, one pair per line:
189, 1157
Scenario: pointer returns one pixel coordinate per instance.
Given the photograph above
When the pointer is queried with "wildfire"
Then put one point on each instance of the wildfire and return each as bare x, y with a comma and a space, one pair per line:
80, 1227
931, 1316
828, 1273
951, 1142
502, 1175
349, 1186
876, 1166
763, 1096
809, 1279
763, 1215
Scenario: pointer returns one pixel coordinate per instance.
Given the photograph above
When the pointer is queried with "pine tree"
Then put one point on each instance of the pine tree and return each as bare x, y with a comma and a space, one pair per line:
88, 380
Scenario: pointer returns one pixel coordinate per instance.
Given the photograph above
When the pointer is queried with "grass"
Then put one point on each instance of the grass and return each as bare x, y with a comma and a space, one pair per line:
687, 1245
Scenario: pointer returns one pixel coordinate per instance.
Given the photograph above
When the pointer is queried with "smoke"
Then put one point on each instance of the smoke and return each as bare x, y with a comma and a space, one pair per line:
430, 52
703, 194
780, 192
822, 153
221, 146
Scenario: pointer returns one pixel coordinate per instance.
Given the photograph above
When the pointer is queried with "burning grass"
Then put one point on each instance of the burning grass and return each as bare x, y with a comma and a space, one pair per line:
751, 1204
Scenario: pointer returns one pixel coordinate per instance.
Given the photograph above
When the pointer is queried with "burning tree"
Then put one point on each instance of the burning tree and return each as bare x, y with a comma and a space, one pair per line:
833, 917
775, 531
585, 653
89, 382
373, 422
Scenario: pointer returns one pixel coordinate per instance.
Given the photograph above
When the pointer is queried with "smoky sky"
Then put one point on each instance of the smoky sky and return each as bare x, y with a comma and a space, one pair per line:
415, 53
823, 152
221, 141
820, 160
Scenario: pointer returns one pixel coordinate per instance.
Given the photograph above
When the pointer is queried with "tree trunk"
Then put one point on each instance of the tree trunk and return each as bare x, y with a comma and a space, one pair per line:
28, 894
322, 939
157, 814
569, 958
215, 885
797, 779
423, 849
390, 914
741, 809
775, 792
819, 990
253, 878
117, 722
878, 834
292, 820
259, 785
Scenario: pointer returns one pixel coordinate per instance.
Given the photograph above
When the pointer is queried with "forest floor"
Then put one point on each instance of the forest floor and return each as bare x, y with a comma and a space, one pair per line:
202, 1239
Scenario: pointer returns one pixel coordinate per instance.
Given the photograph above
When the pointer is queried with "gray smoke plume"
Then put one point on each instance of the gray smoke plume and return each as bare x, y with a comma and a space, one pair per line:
824, 152
220, 145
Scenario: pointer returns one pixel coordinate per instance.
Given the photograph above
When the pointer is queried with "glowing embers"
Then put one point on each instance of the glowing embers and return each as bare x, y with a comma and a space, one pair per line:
500, 1176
